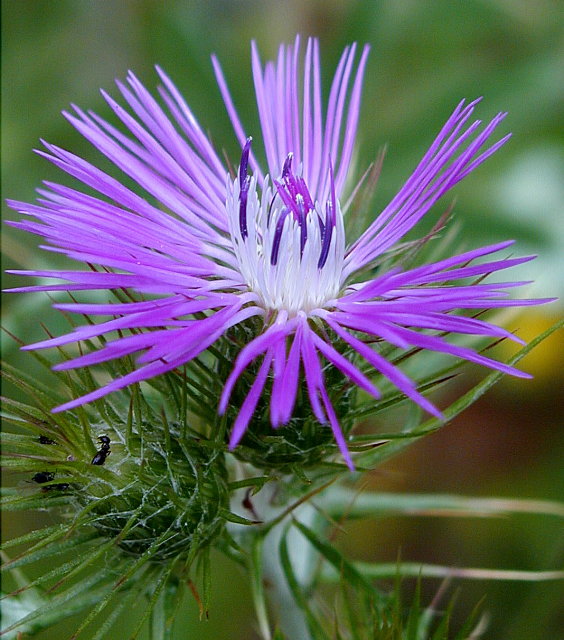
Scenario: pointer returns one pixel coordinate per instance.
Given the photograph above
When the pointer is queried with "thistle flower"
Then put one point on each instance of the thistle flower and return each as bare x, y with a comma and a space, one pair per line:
267, 243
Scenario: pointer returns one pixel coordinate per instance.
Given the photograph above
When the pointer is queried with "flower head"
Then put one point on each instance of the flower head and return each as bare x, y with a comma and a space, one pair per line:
220, 249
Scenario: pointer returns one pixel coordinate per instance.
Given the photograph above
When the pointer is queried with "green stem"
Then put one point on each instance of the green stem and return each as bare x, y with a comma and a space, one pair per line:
257, 585
290, 617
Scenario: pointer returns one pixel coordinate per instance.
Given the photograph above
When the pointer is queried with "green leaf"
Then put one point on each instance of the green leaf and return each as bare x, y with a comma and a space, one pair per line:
206, 578
415, 569
60, 570
36, 501
343, 567
302, 599
45, 548
341, 501
257, 482
158, 580
123, 603
414, 616
38, 534
76, 599
469, 628
257, 587
233, 517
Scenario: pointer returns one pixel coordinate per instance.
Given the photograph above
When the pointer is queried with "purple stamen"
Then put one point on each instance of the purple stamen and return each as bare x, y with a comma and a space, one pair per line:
321, 225
326, 238
287, 168
243, 211
278, 236
295, 195
296, 206
244, 184
304, 192
244, 162
330, 220
302, 222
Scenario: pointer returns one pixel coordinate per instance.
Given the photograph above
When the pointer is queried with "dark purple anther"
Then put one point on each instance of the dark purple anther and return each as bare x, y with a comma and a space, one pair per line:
295, 195
244, 183
330, 219
295, 203
287, 168
303, 225
304, 191
243, 209
321, 225
278, 236
326, 239
244, 163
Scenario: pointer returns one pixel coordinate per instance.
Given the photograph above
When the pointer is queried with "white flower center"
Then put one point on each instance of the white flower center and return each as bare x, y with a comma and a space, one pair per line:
290, 249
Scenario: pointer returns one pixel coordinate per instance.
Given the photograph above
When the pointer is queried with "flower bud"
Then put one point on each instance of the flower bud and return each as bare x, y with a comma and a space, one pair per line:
163, 495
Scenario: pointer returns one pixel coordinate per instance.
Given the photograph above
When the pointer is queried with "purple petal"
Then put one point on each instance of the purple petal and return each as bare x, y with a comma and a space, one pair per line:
344, 365
336, 428
435, 343
440, 169
249, 405
396, 377
312, 372
285, 387
255, 348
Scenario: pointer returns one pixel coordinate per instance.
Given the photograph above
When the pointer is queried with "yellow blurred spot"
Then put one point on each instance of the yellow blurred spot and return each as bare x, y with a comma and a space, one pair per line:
545, 361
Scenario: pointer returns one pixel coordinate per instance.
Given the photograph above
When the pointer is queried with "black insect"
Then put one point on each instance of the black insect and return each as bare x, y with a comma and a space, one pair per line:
103, 452
46, 476
43, 476
45, 440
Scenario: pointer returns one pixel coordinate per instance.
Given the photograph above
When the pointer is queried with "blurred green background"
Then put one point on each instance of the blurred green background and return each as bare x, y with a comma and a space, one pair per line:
425, 57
